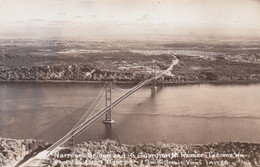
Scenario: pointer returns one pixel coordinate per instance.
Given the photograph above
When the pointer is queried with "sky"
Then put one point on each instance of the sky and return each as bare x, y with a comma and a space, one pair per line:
84, 18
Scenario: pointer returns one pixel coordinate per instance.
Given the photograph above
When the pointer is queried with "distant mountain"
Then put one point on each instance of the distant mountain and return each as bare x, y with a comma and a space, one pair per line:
148, 19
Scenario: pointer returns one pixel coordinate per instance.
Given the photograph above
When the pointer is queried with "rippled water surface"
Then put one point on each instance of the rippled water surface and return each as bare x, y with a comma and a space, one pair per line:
179, 114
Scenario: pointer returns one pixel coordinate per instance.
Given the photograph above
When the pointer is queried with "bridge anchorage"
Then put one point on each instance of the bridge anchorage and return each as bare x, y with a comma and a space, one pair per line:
108, 100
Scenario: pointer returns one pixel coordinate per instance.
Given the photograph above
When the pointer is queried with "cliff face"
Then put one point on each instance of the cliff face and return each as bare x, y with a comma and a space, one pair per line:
13, 151
113, 153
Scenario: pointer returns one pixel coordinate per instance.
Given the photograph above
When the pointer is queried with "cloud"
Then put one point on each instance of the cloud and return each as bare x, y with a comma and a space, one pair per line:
48, 22
37, 20
58, 22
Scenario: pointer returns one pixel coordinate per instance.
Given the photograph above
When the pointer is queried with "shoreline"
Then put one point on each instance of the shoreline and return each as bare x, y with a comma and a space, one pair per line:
236, 82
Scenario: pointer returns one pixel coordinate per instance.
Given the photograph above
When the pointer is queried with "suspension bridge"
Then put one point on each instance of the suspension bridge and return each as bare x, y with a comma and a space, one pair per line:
90, 117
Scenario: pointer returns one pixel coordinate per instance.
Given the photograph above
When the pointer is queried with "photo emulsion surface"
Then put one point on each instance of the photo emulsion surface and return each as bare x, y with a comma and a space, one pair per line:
129, 83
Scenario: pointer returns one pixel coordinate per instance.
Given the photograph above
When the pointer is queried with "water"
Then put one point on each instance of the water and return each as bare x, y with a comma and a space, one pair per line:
178, 114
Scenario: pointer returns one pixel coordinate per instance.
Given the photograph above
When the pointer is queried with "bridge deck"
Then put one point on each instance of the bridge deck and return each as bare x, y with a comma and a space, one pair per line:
34, 161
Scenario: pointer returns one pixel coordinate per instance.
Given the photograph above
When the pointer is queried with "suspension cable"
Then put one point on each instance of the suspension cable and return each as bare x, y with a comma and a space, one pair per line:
96, 105
80, 126
80, 122
84, 116
89, 121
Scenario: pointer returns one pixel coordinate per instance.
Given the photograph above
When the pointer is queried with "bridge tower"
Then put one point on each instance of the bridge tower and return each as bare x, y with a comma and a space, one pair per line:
108, 119
153, 86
